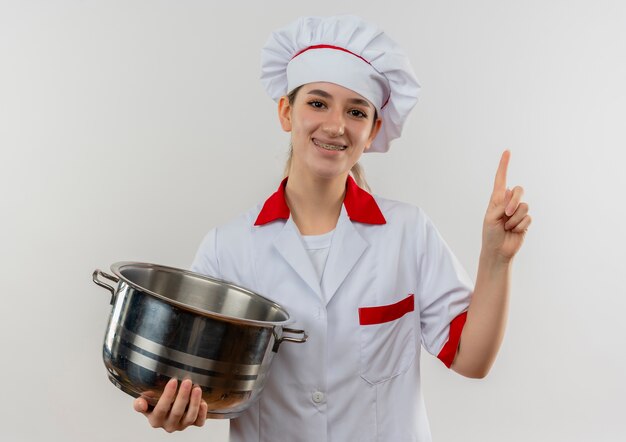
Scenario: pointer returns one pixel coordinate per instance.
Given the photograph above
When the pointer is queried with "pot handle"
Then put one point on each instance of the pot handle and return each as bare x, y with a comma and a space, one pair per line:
290, 339
115, 279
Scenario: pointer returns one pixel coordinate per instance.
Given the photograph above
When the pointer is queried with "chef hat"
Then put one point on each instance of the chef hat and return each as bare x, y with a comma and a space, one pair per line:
349, 52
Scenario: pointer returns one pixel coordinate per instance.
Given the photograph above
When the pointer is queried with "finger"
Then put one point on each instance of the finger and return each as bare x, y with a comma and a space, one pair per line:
499, 184
517, 217
163, 406
180, 404
516, 196
194, 406
202, 414
523, 225
141, 406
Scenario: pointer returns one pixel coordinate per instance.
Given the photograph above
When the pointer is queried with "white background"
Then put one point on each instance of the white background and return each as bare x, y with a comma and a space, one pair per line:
129, 128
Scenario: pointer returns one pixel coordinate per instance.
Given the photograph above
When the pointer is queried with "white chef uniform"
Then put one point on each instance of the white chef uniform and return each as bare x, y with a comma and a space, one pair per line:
390, 286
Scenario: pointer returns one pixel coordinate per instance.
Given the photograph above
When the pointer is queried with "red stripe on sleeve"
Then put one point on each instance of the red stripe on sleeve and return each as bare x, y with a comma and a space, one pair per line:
386, 313
448, 352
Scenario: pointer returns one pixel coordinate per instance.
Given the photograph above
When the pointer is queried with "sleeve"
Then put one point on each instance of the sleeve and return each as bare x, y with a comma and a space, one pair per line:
205, 261
444, 295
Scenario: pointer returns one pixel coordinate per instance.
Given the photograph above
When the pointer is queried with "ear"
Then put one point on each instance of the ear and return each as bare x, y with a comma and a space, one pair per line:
375, 129
284, 113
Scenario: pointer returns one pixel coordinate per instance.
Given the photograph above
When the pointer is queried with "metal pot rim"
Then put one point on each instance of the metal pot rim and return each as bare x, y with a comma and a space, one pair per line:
117, 268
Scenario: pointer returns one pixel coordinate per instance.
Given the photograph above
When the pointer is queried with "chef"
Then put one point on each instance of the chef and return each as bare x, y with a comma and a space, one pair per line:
370, 279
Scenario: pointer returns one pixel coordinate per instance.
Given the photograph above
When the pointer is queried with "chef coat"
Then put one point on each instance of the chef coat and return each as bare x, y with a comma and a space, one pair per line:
391, 285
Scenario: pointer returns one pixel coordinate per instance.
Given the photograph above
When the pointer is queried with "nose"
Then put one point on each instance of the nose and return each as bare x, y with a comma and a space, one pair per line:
334, 124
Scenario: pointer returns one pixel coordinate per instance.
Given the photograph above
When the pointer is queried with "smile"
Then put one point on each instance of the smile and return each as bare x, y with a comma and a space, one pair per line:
329, 146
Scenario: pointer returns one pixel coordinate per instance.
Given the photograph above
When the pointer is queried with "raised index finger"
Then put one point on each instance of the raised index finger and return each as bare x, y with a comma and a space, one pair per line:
499, 184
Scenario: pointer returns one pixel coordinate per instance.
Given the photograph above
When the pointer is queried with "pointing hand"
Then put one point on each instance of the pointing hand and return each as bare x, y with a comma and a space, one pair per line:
507, 218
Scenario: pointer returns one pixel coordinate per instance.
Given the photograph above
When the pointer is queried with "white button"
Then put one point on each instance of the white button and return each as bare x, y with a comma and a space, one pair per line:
318, 397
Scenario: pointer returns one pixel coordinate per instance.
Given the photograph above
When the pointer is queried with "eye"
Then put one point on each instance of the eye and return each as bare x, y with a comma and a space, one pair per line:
316, 104
358, 113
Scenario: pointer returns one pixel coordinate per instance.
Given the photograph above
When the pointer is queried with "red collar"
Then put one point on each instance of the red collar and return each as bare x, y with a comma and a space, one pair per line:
360, 205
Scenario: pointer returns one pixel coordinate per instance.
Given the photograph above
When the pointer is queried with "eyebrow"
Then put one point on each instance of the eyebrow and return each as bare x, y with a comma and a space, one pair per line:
326, 95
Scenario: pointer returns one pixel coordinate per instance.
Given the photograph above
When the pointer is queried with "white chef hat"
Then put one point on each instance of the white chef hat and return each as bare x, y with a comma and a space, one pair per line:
349, 52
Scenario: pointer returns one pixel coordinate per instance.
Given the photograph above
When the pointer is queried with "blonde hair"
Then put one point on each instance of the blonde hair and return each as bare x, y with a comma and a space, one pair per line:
357, 171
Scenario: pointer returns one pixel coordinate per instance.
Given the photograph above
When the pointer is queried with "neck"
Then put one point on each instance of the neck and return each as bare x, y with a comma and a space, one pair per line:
315, 203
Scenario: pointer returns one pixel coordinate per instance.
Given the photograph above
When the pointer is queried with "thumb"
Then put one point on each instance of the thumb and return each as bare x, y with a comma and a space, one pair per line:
497, 208
507, 197
140, 405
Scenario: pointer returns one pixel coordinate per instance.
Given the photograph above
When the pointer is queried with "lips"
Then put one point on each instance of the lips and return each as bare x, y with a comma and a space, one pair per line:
327, 146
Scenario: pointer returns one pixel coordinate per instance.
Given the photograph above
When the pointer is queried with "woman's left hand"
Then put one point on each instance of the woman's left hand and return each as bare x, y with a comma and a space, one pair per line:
507, 218
504, 230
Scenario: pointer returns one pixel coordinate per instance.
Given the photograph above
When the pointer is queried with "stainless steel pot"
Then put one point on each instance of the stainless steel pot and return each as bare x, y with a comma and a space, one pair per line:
166, 322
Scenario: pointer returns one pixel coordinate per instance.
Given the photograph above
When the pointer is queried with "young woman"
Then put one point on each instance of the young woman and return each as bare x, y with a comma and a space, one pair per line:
370, 279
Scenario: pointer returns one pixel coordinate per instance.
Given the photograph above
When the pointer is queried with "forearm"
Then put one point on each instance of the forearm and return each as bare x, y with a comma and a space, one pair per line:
486, 319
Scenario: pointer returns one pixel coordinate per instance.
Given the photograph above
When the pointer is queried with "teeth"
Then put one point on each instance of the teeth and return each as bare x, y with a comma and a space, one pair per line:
329, 146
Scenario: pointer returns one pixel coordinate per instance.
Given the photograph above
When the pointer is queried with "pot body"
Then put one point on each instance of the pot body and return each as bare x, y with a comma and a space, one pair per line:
169, 323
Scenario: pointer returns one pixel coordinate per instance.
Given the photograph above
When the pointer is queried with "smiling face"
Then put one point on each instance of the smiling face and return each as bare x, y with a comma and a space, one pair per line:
331, 126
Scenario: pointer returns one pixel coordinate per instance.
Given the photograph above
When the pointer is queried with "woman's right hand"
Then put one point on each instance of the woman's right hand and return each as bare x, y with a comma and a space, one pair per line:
175, 412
